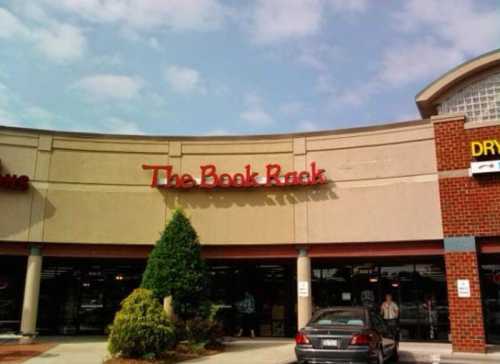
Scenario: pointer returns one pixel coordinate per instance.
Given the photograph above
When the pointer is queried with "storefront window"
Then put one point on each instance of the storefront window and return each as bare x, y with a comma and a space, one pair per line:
88, 292
419, 290
12, 273
271, 285
490, 282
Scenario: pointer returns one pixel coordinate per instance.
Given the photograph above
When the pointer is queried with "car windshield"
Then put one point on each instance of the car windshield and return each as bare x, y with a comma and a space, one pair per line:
340, 317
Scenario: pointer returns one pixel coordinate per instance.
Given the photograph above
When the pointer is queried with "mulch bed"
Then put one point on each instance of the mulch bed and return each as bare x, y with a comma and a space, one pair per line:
13, 353
170, 357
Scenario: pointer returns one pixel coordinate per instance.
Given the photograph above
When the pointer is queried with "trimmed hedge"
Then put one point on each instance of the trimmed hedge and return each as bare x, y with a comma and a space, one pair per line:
141, 328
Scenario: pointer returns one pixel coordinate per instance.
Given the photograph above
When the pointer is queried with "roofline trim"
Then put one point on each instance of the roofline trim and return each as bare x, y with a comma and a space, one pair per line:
426, 97
375, 127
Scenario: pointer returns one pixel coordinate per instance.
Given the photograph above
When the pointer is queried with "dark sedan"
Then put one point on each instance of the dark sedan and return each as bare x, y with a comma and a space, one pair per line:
346, 335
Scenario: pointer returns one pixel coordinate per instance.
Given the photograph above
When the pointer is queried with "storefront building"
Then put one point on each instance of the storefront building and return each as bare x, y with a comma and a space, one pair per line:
301, 221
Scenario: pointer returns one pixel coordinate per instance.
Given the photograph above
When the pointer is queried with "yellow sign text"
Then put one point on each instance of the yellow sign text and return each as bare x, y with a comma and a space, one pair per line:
485, 147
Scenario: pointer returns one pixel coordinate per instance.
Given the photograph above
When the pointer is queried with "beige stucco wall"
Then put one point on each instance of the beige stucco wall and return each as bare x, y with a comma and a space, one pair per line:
92, 189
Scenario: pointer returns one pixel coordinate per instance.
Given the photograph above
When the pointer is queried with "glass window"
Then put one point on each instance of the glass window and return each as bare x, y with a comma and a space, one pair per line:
12, 273
490, 282
419, 289
340, 317
480, 100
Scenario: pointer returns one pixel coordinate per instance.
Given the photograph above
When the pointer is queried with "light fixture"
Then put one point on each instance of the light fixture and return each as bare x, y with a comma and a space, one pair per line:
373, 277
119, 277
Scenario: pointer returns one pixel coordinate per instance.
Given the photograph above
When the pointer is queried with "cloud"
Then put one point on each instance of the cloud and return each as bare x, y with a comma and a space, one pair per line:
354, 6
110, 86
307, 125
291, 108
15, 111
434, 36
148, 14
184, 80
11, 26
61, 42
119, 126
276, 20
455, 30
254, 113
466, 25
417, 61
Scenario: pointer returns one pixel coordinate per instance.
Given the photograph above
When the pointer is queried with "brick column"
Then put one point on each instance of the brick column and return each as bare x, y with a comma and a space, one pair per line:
466, 313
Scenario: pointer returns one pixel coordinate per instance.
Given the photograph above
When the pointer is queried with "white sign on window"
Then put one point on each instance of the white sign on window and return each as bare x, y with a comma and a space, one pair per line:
346, 296
463, 288
303, 289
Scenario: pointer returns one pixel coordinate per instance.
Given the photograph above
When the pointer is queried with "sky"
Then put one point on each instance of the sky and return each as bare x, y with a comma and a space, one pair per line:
222, 67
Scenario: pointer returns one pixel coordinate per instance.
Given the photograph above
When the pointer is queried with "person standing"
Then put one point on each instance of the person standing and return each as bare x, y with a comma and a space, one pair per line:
246, 310
390, 313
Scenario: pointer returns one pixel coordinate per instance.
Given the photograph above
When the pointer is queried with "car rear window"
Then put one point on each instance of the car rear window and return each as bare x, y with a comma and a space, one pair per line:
340, 317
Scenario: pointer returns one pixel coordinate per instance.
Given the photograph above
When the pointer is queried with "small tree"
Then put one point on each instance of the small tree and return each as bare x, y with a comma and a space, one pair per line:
141, 327
175, 268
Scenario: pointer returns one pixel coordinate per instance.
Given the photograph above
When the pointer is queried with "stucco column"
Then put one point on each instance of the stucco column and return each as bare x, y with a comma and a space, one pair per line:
304, 295
31, 293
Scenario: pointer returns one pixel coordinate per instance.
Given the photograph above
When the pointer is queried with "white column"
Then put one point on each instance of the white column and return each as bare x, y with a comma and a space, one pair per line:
304, 294
31, 293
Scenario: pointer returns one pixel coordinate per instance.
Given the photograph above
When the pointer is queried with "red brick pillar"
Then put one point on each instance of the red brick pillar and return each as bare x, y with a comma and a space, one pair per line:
466, 311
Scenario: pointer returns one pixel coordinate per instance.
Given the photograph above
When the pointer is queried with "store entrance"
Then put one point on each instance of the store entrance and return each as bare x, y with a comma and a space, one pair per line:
81, 296
490, 287
418, 288
272, 286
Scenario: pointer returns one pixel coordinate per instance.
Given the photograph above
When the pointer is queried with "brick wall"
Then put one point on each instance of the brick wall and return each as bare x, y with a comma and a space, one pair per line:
451, 146
466, 314
470, 206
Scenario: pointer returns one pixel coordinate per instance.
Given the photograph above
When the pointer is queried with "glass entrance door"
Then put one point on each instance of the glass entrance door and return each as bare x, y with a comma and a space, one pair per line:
271, 284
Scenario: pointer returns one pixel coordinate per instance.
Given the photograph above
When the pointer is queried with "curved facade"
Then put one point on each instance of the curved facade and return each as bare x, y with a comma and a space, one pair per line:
301, 221
93, 189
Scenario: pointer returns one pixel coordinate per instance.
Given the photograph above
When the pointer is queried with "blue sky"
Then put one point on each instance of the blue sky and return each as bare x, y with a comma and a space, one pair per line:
208, 67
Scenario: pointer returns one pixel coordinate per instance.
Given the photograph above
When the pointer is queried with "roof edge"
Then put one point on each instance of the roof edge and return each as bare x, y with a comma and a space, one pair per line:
425, 98
360, 129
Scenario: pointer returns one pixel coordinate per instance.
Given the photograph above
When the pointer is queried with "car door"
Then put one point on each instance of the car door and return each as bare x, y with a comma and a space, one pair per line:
388, 342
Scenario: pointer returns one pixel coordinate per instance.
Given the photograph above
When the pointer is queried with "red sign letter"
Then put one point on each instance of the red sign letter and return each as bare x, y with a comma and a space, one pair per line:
208, 171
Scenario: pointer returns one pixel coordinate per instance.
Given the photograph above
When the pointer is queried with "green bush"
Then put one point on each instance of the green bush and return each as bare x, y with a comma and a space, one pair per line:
141, 328
204, 329
175, 268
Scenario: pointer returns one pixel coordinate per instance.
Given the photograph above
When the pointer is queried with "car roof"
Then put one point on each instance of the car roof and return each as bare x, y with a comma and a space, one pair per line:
343, 308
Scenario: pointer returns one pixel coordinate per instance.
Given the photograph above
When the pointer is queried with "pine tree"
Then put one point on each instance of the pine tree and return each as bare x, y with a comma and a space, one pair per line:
175, 268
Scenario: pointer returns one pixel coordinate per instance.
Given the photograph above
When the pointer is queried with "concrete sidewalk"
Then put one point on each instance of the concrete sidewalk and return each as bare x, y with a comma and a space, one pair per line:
92, 350
442, 353
252, 351
74, 350
281, 351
